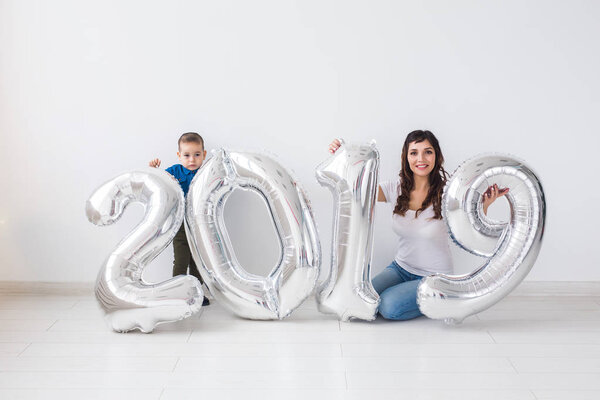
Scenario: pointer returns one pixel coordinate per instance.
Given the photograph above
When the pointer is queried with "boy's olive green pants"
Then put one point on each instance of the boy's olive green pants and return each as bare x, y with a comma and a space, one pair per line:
183, 256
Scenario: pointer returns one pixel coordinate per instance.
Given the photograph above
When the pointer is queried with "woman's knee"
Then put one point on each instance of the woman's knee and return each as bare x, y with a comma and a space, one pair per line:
385, 279
397, 311
387, 308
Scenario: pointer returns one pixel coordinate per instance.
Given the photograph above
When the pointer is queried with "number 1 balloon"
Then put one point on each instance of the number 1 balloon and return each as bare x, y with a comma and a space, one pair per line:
511, 248
294, 277
351, 175
128, 302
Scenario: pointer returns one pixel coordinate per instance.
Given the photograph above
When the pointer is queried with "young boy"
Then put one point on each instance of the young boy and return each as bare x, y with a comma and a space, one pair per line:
191, 154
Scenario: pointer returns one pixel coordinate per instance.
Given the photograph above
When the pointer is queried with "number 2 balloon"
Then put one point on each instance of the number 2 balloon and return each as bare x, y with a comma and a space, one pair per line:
128, 302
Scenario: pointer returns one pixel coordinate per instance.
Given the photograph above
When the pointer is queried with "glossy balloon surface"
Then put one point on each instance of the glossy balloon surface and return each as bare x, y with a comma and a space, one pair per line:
351, 175
130, 303
294, 277
510, 248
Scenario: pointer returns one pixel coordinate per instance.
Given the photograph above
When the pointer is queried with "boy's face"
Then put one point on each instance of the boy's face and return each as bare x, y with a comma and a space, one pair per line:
191, 155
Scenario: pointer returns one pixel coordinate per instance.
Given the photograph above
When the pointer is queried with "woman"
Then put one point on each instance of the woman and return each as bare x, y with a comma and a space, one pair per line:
417, 220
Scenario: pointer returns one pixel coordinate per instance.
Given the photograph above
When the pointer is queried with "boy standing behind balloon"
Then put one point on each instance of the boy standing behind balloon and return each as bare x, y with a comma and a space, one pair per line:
191, 155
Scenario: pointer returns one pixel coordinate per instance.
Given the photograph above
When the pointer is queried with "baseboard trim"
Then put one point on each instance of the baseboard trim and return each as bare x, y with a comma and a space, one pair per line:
46, 288
553, 288
533, 288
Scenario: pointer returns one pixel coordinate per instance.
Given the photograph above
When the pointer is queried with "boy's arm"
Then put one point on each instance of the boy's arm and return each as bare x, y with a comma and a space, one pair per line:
155, 163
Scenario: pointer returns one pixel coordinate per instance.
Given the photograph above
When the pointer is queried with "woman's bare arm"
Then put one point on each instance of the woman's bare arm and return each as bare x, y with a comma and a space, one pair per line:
380, 195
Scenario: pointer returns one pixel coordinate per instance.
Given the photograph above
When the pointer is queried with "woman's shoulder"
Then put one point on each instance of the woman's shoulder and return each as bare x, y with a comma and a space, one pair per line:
395, 182
391, 189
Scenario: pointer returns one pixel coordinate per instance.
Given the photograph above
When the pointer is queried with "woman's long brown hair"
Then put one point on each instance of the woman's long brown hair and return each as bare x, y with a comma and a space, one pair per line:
437, 177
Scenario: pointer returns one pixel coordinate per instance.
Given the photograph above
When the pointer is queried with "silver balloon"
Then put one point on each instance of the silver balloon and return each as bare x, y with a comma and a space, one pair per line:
511, 248
294, 277
351, 175
128, 302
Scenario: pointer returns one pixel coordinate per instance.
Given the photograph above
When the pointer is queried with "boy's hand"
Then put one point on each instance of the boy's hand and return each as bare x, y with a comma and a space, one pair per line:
334, 145
154, 163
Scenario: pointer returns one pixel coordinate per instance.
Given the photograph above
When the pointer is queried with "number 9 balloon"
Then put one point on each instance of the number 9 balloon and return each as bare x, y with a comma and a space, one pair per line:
128, 302
511, 248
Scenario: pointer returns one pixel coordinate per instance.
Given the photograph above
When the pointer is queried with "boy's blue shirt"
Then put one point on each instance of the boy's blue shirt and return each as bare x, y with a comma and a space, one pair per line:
183, 175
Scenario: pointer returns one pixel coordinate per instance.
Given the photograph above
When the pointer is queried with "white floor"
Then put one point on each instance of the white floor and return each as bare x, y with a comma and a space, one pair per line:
522, 348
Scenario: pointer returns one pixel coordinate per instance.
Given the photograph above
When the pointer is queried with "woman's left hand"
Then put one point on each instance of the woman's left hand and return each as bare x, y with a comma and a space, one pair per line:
491, 194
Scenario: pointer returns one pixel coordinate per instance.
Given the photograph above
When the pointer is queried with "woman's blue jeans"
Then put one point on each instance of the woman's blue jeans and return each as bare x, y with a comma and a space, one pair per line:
397, 289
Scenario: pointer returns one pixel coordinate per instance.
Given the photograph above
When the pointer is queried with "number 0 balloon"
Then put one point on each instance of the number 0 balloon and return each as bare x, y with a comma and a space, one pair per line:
511, 248
293, 279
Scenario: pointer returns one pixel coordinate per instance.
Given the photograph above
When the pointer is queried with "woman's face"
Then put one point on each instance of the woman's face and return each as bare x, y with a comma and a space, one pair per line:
421, 158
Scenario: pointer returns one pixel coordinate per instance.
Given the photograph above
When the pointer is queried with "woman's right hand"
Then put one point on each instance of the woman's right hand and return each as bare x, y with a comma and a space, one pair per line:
334, 145
154, 163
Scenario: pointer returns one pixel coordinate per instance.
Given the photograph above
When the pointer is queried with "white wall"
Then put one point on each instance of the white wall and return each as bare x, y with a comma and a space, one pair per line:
91, 89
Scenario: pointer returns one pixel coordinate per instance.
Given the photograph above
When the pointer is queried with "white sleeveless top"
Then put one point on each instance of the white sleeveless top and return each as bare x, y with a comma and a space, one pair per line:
423, 241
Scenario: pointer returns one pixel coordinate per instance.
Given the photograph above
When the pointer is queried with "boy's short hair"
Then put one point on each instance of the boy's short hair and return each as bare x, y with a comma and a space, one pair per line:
188, 137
